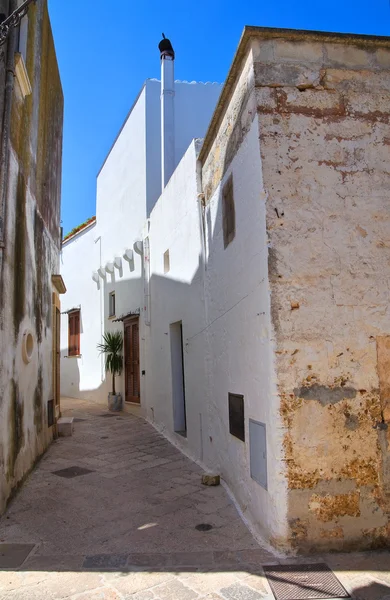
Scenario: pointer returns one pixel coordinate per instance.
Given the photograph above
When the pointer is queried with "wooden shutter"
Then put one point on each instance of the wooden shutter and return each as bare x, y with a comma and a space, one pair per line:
74, 333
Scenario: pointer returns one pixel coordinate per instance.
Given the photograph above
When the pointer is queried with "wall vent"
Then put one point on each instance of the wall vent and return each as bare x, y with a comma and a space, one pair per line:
236, 416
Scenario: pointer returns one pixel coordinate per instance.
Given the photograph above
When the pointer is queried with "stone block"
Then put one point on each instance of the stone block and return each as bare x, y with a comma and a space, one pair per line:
358, 81
265, 99
298, 51
383, 58
211, 479
285, 75
345, 54
374, 105
312, 101
263, 50
13, 556
65, 426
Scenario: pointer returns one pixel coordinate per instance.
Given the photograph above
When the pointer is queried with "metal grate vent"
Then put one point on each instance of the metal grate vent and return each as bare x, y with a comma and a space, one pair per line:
71, 472
301, 582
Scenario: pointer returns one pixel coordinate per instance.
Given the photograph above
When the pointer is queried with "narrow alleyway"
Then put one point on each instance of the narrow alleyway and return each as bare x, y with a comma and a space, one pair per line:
113, 513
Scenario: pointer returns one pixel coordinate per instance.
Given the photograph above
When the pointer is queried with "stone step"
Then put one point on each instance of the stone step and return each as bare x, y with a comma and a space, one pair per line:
65, 426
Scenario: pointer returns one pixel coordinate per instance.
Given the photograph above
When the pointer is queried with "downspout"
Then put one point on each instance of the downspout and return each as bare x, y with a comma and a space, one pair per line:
6, 124
202, 210
5, 144
101, 291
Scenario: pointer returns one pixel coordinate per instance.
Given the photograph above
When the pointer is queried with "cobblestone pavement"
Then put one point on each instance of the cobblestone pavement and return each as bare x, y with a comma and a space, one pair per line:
111, 514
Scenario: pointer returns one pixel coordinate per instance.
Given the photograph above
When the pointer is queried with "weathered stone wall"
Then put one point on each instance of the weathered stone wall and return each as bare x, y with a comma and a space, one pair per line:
240, 110
30, 257
324, 111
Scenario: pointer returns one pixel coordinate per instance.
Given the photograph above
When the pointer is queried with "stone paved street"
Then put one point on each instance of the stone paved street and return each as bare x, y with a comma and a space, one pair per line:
125, 526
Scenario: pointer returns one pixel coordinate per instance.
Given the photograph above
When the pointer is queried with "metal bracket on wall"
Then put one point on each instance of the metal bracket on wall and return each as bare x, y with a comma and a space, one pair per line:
13, 20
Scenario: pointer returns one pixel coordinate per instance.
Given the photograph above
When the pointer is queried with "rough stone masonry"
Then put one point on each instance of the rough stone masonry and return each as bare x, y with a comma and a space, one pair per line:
322, 102
324, 137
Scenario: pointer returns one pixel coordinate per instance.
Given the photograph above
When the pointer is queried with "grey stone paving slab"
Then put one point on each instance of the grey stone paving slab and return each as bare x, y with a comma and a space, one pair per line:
13, 556
154, 560
174, 590
239, 591
105, 561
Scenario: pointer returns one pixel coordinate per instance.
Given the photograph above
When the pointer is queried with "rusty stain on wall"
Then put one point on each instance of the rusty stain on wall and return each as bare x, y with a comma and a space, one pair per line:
328, 507
383, 348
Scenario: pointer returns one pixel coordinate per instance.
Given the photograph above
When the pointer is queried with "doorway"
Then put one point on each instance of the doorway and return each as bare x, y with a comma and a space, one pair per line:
178, 382
132, 375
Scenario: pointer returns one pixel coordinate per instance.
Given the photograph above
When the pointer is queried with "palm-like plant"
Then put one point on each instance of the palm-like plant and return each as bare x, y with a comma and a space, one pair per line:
112, 348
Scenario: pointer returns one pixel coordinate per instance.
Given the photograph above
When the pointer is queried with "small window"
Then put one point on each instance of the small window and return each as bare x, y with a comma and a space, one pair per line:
236, 416
228, 212
74, 333
166, 262
111, 304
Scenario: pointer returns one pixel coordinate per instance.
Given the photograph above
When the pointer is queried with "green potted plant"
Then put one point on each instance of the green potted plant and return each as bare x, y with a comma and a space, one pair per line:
112, 347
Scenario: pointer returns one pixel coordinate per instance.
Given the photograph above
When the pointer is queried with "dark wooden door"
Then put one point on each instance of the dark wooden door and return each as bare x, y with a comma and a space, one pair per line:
132, 380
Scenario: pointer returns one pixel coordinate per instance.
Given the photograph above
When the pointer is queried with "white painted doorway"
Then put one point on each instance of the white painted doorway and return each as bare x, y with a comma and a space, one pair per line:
178, 385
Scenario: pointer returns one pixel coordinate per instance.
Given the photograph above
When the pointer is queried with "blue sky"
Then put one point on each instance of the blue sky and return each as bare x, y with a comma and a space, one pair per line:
107, 49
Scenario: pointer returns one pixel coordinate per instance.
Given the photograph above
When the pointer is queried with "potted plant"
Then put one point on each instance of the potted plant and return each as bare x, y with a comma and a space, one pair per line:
112, 347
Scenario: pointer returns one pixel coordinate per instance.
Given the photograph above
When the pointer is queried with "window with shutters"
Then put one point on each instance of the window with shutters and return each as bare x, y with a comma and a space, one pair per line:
74, 333
228, 212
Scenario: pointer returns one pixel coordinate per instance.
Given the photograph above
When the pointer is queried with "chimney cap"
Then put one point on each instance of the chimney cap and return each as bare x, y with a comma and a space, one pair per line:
165, 48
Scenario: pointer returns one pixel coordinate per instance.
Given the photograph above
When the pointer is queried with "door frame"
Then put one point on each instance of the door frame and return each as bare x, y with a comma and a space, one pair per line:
134, 399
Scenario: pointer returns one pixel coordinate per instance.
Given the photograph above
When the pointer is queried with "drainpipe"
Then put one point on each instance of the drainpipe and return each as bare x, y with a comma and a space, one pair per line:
101, 291
6, 124
5, 135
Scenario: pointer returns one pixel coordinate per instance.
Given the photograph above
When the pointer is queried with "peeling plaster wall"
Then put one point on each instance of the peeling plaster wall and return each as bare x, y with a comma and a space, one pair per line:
324, 136
322, 106
30, 257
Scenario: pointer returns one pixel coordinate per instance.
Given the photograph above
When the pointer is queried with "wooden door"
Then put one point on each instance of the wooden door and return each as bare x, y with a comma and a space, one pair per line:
132, 379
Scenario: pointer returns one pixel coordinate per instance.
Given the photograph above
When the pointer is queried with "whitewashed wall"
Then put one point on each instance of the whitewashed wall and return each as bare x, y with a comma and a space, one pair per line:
194, 106
225, 310
128, 185
175, 225
81, 377
238, 341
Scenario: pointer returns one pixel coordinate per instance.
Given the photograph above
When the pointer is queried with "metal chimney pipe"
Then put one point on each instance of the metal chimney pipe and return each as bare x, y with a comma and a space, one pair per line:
167, 111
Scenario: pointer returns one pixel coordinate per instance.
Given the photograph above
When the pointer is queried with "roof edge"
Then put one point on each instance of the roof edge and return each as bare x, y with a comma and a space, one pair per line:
123, 126
79, 229
251, 31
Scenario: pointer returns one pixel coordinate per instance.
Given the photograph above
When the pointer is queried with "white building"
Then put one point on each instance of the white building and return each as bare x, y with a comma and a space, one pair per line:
252, 338
128, 186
